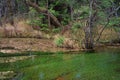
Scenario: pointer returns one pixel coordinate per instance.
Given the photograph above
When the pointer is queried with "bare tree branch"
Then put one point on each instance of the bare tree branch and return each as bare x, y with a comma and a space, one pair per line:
108, 20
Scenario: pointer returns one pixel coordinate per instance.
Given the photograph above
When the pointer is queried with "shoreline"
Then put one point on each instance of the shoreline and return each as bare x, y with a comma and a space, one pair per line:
21, 45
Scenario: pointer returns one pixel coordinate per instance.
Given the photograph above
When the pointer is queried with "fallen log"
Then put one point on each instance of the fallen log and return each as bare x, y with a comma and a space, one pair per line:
45, 11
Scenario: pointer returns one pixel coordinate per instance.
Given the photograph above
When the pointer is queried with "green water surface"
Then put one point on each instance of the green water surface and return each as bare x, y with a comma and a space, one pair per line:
82, 66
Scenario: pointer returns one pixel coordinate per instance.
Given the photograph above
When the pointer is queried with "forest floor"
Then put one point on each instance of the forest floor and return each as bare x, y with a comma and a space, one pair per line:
14, 45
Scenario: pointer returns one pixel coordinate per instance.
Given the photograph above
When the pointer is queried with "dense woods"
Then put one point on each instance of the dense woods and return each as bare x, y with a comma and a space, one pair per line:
90, 16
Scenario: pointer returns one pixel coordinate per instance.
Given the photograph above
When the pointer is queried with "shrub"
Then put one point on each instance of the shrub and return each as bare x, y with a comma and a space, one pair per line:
59, 41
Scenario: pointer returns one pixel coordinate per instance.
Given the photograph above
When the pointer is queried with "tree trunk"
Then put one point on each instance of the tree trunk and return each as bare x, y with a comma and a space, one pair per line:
45, 11
71, 10
7, 9
88, 29
49, 24
22, 6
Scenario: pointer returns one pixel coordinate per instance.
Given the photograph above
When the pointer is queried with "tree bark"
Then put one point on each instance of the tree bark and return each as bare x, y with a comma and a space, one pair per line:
88, 29
45, 11
49, 24
7, 10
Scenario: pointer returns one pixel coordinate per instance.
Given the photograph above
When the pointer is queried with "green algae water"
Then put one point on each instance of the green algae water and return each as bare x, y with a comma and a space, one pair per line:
84, 66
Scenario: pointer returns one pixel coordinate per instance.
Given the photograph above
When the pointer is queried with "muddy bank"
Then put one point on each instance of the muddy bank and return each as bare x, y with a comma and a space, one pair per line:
7, 75
13, 45
17, 45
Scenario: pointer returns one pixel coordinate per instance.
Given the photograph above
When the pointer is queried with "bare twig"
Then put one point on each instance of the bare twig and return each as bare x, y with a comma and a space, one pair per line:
108, 20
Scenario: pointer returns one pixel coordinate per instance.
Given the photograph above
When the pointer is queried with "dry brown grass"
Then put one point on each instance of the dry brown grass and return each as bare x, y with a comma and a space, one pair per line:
107, 35
19, 29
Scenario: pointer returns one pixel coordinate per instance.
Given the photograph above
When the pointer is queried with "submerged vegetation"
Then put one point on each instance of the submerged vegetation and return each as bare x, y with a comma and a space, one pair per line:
67, 67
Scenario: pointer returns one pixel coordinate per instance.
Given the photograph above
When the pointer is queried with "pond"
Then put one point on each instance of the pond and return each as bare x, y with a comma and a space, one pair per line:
103, 65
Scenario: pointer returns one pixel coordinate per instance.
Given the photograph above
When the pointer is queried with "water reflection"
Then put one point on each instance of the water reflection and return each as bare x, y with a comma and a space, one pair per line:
32, 57
78, 76
41, 76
